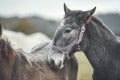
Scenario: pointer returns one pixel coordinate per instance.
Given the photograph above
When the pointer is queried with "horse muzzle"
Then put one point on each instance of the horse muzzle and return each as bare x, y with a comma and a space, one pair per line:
56, 66
56, 60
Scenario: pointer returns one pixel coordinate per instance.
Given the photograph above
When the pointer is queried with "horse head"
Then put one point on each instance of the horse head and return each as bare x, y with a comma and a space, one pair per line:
68, 36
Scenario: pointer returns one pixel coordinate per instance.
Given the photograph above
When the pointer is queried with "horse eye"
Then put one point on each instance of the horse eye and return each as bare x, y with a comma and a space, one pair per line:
68, 30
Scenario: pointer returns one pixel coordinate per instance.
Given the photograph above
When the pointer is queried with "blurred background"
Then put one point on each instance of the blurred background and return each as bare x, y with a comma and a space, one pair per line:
31, 16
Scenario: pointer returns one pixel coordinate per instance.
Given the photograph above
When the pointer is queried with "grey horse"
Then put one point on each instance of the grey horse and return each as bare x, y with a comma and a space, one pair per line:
79, 30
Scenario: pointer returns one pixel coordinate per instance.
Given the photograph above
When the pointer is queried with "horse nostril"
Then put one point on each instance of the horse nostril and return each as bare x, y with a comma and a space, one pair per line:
60, 63
52, 62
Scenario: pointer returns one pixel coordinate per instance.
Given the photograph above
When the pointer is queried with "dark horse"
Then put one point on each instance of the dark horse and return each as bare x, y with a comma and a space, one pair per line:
19, 65
80, 31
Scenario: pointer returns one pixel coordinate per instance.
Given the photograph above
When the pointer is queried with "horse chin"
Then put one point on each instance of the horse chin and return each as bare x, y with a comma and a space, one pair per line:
57, 67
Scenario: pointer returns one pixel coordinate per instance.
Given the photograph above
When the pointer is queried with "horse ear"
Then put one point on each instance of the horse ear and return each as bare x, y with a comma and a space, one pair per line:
90, 13
0, 29
66, 9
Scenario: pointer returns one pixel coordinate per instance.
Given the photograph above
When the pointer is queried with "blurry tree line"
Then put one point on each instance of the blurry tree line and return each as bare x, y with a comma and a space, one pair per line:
32, 24
21, 25
24, 26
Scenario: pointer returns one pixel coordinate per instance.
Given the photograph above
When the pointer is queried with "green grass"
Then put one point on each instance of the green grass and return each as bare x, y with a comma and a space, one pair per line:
85, 69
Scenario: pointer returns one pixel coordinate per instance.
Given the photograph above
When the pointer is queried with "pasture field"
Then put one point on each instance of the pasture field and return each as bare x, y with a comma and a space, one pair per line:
85, 69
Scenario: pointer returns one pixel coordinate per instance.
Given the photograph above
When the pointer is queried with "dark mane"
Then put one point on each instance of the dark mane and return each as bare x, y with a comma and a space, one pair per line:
98, 21
104, 28
6, 50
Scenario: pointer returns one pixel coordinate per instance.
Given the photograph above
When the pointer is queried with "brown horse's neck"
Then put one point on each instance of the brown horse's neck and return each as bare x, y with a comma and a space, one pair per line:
7, 59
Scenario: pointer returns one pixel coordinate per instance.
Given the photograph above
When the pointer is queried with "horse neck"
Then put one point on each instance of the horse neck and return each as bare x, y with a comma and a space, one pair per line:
6, 69
100, 41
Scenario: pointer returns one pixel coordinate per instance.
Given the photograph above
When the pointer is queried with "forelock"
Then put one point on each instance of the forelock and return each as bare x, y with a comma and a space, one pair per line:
73, 13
